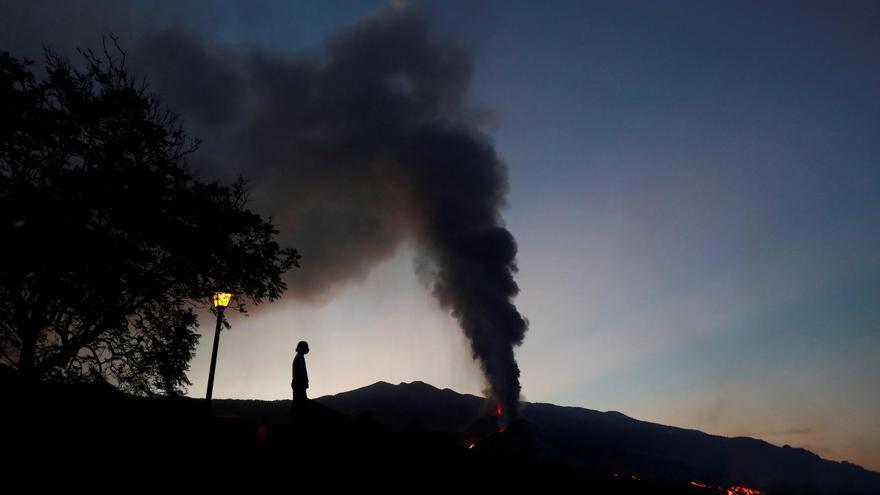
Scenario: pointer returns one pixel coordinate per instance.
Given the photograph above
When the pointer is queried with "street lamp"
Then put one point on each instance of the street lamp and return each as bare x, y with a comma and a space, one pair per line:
220, 300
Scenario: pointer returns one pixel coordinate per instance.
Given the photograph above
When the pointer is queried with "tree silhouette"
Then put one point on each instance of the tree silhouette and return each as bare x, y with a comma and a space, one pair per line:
108, 242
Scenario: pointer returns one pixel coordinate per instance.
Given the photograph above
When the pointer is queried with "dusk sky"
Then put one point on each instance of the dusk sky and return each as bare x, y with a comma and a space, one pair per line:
694, 188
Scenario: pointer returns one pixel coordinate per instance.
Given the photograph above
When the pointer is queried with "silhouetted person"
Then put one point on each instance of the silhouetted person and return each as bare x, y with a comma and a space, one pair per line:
300, 381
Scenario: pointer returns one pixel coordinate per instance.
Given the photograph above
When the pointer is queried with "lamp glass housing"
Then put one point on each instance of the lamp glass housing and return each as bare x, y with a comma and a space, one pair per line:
221, 299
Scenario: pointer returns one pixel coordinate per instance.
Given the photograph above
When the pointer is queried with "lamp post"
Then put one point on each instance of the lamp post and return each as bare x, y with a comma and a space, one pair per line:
220, 300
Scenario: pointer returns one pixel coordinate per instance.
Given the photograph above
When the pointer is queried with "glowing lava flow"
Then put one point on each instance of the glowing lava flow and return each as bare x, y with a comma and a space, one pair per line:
500, 412
493, 422
734, 490
741, 490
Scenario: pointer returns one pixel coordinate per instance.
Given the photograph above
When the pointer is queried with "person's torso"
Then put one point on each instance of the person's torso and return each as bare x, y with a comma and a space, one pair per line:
299, 367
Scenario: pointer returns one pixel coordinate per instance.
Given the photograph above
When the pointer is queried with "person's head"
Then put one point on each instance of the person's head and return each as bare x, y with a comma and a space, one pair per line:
302, 347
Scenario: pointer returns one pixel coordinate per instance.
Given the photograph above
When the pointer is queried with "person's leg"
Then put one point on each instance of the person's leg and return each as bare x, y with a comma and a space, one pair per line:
293, 403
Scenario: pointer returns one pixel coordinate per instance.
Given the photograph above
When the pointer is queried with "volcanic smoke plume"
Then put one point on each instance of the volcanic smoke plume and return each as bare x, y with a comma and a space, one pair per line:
355, 148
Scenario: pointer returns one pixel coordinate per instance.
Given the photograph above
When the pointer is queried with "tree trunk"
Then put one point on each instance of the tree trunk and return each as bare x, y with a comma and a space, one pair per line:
26, 364
27, 313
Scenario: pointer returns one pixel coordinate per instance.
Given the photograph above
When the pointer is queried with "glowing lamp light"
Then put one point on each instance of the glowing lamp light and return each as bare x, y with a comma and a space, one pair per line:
221, 299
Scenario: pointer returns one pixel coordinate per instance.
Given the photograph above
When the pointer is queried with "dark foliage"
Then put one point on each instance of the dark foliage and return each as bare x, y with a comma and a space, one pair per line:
109, 242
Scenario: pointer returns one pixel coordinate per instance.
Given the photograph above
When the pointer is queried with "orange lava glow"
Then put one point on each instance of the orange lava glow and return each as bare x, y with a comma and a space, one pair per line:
741, 490
734, 490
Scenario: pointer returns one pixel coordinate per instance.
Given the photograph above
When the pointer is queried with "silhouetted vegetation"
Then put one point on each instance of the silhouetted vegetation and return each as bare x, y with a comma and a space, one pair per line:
108, 240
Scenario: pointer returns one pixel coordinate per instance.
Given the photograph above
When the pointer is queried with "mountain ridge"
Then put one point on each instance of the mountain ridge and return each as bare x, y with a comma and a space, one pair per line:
419, 383
615, 441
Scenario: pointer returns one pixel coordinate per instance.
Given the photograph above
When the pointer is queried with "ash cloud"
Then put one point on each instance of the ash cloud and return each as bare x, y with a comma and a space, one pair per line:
354, 149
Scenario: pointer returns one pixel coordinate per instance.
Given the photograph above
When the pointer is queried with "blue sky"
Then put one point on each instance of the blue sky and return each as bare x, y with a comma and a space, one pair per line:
694, 187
